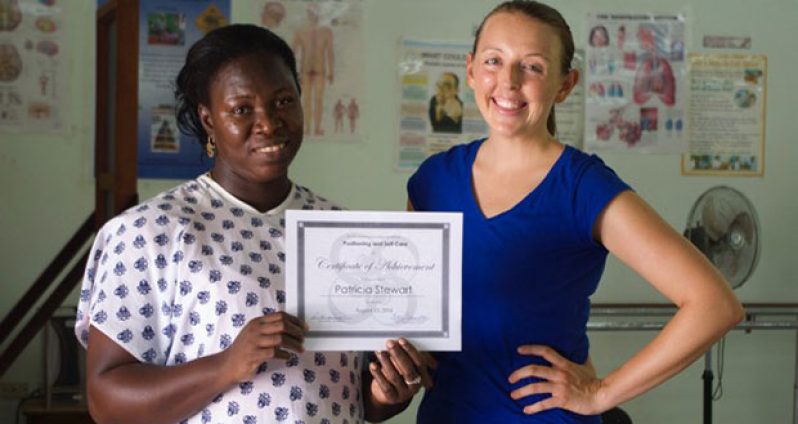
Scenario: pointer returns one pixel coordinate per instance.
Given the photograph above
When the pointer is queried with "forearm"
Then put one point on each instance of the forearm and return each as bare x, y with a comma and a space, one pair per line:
633, 231
692, 331
143, 393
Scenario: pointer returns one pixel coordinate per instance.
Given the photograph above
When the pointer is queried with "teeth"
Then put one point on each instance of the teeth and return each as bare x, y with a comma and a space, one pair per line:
508, 104
271, 149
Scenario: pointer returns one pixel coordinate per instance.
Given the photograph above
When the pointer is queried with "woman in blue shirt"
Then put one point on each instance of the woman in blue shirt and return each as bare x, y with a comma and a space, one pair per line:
539, 219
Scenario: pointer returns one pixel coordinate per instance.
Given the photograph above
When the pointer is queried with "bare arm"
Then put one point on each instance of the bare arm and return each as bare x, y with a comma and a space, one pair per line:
632, 231
119, 387
123, 390
640, 238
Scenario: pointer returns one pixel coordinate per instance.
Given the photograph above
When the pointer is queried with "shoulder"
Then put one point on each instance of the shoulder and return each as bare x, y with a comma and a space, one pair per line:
161, 213
591, 185
431, 186
449, 160
580, 167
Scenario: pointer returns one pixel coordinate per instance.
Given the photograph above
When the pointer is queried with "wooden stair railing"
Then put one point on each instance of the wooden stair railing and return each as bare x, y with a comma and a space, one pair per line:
41, 286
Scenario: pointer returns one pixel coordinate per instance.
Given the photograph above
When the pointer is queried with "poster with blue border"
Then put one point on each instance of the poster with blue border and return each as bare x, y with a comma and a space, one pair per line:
167, 29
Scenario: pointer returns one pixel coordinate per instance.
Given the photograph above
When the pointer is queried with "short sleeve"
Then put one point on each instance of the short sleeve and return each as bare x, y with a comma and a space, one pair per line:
127, 292
596, 185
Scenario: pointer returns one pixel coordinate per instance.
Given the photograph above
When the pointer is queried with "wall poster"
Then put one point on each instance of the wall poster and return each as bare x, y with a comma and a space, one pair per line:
436, 107
167, 29
328, 42
727, 115
635, 81
34, 86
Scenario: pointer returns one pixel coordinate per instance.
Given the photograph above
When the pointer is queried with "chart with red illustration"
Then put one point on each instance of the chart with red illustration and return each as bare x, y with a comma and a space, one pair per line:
635, 75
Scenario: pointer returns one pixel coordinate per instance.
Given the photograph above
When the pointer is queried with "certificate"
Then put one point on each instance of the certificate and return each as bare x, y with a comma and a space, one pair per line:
360, 278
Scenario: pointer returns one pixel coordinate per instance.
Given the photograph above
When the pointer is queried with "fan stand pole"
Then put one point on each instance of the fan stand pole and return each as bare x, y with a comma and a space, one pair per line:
795, 384
707, 377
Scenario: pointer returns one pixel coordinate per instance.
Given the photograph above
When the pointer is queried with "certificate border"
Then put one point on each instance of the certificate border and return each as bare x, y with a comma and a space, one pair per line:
444, 333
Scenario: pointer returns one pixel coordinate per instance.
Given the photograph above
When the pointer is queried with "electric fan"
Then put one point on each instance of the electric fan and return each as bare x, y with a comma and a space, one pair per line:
724, 226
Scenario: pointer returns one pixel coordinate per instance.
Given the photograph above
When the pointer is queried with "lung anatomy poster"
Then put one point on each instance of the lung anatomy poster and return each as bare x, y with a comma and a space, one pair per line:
635, 74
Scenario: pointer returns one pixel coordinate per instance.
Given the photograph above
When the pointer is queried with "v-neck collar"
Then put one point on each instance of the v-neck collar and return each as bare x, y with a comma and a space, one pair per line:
221, 192
468, 175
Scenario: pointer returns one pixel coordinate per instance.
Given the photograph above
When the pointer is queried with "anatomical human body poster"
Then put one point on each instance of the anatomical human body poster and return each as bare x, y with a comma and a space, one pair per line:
727, 115
33, 65
327, 39
635, 76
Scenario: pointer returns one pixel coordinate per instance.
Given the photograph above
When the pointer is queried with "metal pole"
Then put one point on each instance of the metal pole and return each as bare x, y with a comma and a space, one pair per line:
617, 318
795, 384
707, 377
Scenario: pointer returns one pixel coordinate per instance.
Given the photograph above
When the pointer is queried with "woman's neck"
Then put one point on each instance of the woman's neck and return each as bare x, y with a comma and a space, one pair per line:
263, 196
519, 152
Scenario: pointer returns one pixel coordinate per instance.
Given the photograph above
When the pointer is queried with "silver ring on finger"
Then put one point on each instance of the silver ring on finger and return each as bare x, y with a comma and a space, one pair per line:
414, 381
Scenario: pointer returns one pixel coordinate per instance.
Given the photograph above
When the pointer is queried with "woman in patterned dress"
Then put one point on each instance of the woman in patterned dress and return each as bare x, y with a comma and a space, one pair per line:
182, 303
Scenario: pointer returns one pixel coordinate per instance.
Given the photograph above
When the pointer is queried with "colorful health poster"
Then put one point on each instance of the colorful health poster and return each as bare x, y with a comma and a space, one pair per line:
635, 82
34, 86
727, 115
167, 30
436, 106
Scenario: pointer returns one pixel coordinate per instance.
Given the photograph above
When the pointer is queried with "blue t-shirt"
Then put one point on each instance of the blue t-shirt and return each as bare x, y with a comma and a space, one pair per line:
528, 274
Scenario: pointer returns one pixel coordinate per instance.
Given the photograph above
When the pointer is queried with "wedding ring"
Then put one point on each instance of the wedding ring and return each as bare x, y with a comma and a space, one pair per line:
416, 380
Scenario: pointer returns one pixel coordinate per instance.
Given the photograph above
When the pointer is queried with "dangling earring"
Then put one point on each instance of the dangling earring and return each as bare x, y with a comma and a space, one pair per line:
210, 147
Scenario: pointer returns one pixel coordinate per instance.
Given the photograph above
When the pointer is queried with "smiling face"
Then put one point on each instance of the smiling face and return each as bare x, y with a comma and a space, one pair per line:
516, 75
255, 118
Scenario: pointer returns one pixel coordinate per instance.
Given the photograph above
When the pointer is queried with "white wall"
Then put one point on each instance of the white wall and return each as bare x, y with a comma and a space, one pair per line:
47, 189
54, 171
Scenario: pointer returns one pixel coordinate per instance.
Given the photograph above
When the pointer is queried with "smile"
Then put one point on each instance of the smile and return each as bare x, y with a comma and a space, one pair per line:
273, 148
508, 105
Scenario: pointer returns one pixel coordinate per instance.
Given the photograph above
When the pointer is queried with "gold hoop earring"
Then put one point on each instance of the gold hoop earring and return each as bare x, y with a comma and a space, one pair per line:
210, 147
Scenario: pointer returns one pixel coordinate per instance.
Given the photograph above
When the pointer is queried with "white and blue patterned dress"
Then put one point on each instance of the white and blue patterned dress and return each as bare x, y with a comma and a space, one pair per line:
177, 277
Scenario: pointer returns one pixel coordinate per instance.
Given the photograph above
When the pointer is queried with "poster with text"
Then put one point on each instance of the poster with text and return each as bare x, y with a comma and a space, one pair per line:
327, 39
436, 106
727, 115
634, 78
33, 66
570, 114
167, 29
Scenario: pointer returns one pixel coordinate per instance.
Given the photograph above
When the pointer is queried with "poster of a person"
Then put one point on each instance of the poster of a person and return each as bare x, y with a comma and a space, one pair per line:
327, 40
436, 106
445, 107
